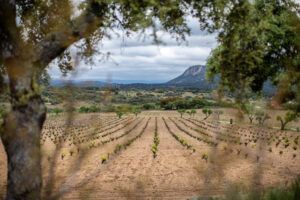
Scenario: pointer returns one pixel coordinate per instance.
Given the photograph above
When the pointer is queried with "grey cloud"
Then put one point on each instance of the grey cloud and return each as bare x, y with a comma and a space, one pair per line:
136, 59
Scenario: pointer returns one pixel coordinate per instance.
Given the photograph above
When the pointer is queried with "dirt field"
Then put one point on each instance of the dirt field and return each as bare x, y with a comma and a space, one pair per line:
193, 157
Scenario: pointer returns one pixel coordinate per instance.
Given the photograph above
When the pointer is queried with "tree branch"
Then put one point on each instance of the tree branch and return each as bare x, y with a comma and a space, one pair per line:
56, 43
9, 35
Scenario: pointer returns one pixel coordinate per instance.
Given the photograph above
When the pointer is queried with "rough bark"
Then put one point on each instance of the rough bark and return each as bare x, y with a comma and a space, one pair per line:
22, 127
251, 120
21, 137
283, 124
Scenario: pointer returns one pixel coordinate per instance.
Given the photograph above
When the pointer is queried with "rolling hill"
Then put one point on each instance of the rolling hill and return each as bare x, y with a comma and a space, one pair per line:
192, 77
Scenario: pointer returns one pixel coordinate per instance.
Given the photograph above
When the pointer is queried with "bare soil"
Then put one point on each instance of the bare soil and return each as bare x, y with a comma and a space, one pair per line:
176, 173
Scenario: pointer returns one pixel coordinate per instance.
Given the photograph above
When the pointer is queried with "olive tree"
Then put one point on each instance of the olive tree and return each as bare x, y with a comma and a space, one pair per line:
57, 110
189, 113
258, 41
261, 117
207, 112
119, 114
181, 112
289, 117
136, 111
250, 111
218, 113
193, 112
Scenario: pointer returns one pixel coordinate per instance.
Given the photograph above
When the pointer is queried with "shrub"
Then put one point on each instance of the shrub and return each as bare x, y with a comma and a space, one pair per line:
255, 140
117, 148
280, 152
154, 147
103, 159
286, 144
193, 112
181, 112
155, 140
148, 106
185, 143
63, 155
204, 156
119, 114
91, 109
294, 155
289, 116
207, 112
56, 110
295, 147
92, 144
176, 103
154, 152
94, 109
136, 111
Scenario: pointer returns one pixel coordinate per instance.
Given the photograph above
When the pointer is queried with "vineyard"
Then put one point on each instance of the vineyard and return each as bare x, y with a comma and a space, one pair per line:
159, 155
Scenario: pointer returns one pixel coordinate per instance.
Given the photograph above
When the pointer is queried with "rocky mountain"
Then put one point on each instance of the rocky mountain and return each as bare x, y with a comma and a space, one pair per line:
193, 77
194, 74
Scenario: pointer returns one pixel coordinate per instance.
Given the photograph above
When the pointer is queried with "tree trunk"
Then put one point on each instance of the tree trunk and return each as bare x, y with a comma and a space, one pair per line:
21, 137
283, 125
251, 119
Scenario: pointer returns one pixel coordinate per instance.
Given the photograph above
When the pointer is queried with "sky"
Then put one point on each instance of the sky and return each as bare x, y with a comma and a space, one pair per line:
137, 60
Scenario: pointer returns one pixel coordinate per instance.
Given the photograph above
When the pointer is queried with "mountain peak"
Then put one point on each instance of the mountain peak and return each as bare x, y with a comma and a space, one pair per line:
193, 74
194, 70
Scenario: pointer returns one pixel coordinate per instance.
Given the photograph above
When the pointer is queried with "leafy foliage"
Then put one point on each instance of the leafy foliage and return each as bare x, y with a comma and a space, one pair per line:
90, 109
218, 113
136, 111
261, 117
175, 103
181, 112
55, 110
207, 112
289, 116
3, 111
258, 41
250, 111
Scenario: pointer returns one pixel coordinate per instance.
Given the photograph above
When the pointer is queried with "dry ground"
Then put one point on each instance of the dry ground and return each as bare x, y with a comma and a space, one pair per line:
176, 173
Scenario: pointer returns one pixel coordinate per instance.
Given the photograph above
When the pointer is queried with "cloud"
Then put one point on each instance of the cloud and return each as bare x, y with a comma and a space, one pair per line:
135, 58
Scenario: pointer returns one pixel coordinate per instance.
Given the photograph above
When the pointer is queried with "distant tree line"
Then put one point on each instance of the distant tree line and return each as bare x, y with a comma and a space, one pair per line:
82, 109
176, 103
89, 109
